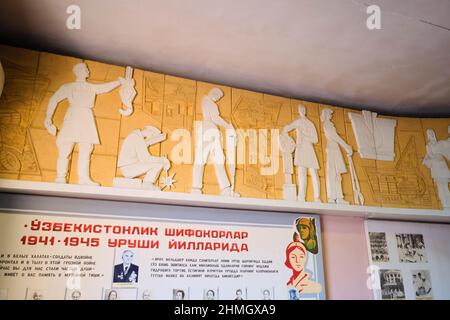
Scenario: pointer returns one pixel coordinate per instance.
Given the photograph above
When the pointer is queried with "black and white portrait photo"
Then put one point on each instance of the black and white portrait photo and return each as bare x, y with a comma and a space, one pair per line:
146, 295
35, 294
120, 294
126, 271
179, 294
378, 247
111, 295
73, 294
267, 294
241, 294
422, 285
411, 248
210, 294
391, 282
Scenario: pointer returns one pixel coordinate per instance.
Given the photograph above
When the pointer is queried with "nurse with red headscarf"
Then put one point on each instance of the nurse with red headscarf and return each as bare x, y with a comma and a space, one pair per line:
296, 257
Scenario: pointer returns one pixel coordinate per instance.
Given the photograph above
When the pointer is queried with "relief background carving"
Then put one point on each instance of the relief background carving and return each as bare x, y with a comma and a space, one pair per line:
28, 152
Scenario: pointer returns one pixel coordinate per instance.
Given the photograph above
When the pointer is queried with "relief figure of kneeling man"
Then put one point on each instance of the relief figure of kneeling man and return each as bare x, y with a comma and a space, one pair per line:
136, 160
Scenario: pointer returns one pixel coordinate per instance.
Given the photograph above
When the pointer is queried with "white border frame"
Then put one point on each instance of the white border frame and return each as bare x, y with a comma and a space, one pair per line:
318, 259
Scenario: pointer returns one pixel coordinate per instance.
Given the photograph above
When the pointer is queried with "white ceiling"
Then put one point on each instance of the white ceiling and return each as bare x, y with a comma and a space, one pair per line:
318, 50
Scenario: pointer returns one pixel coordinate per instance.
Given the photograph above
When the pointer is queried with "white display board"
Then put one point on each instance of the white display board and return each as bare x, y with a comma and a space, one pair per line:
409, 260
69, 255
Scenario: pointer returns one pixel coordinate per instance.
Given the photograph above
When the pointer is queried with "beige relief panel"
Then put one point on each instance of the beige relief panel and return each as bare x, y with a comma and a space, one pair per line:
402, 182
363, 167
313, 114
178, 113
440, 127
107, 117
210, 183
244, 116
249, 115
28, 151
58, 70
279, 114
285, 115
338, 120
148, 108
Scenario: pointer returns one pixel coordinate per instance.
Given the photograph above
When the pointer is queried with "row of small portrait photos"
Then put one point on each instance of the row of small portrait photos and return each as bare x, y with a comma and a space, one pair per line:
146, 294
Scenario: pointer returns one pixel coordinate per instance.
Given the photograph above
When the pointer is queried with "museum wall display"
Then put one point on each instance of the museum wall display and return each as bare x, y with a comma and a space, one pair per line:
154, 252
66, 120
408, 260
70, 121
